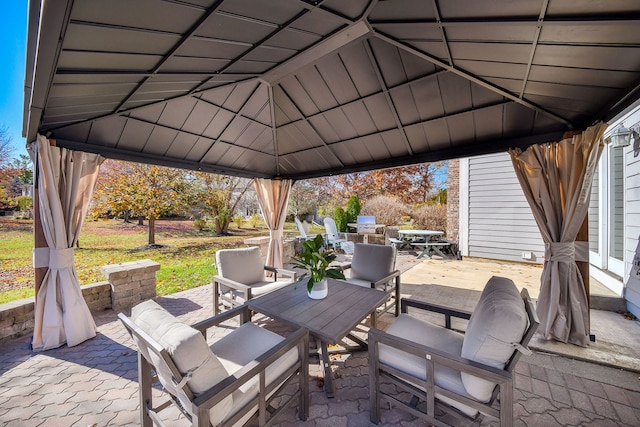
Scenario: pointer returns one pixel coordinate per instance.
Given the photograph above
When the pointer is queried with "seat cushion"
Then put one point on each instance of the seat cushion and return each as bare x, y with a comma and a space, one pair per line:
257, 289
241, 347
372, 262
434, 336
188, 350
243, 265
497, 323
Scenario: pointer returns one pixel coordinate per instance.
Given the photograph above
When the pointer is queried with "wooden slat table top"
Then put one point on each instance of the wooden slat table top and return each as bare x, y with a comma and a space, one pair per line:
329, 319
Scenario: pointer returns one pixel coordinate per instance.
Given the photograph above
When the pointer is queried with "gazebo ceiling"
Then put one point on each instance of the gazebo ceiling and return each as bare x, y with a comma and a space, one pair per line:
298, 88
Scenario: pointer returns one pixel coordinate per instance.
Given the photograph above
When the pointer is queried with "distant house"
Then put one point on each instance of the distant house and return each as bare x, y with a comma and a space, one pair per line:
495, 221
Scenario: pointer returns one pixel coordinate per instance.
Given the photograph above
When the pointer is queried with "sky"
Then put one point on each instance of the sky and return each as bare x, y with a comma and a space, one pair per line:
13, 42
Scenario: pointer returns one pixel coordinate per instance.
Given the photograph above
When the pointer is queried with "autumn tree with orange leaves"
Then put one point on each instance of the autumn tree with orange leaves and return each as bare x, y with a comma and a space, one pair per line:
412, 184
135, 189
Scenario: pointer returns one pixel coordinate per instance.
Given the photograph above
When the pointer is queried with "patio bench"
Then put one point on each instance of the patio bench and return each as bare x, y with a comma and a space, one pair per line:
429, 248
398, 243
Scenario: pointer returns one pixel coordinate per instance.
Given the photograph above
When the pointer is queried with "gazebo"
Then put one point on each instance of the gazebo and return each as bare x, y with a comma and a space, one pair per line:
292, 89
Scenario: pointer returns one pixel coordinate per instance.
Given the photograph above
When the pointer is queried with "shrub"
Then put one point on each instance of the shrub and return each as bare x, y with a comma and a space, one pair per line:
24, 202
254, 220
238, 220
353, 209
430, 217
340, 217
387, 210
200, 224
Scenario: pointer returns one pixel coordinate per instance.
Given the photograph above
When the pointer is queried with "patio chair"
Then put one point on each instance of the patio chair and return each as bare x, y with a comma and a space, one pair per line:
449, 374
231, 382
334, 239
303, 232
241, 276
374, 266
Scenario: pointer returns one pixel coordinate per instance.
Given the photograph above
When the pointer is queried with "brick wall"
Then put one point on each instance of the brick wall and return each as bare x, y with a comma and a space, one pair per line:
453, 200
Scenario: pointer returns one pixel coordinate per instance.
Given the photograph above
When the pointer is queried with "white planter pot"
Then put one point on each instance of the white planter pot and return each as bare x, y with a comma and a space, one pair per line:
319, 290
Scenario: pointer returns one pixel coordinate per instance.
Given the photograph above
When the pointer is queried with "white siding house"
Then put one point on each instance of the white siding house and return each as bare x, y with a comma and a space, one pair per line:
495, 220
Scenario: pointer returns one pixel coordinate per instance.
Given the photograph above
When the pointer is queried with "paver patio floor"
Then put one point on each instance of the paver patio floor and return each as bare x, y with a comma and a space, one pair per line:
95, 383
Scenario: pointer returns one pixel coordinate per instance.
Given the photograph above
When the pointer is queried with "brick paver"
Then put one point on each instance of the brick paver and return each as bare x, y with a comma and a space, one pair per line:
95, 383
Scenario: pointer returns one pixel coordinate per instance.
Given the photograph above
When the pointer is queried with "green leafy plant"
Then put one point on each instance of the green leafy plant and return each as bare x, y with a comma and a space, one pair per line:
340, 217
315, 259
353, 208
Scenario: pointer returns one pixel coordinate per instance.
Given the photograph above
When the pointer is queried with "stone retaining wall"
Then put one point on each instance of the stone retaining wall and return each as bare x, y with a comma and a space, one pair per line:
131, 282
128, 283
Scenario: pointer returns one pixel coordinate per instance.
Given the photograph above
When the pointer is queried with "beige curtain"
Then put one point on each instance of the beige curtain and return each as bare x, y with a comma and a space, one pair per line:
66, 180
556, 180
273, 197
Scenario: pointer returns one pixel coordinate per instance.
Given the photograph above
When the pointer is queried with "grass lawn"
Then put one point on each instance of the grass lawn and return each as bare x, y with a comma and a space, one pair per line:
186, 260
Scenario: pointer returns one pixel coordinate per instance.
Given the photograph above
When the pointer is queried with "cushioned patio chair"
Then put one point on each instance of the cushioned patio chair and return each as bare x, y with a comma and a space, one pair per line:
231, 382
450, 375
333, 237
374, 266
241, 276
303, 232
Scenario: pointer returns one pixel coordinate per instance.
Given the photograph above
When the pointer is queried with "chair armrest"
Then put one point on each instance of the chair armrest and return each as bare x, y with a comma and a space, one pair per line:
448, 312
345, 267
240, 311
387, 279
231, 283
257, 366
284, 272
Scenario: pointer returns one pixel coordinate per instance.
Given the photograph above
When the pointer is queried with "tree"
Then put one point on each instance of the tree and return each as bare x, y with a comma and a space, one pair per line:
303, 199
5, 147
412, 184
353, 209
219, 196
141, 190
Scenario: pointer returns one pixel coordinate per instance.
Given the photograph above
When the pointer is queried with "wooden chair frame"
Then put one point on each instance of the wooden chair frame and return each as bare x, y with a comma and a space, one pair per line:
502, 393
266, 414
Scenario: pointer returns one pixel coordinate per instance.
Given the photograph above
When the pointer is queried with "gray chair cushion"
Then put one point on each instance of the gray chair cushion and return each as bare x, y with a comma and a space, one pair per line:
497, 323
243, 265
188, 350
372, 262
434, 336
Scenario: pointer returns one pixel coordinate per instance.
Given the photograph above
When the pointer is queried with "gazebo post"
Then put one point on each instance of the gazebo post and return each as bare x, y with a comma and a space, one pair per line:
583, 267
38, 235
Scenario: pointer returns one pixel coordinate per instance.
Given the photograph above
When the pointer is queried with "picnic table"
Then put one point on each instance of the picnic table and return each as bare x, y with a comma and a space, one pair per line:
429, 241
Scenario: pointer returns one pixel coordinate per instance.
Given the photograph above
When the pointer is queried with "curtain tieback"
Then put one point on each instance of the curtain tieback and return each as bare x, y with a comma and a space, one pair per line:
53, 258
276, 234
566, 251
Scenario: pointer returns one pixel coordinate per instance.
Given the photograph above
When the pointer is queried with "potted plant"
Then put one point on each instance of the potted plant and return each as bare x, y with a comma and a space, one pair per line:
315, 259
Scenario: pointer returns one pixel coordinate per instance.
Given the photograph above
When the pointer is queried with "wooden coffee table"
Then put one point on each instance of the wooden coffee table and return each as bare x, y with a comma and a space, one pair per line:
330, 319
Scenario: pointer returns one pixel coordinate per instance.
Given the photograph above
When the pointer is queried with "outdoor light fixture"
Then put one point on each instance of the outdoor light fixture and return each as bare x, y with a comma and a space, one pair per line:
621, 137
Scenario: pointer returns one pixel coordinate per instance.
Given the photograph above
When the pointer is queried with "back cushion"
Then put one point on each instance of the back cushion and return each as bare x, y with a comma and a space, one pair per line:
498, 321
372, 262
243, 265
186, 346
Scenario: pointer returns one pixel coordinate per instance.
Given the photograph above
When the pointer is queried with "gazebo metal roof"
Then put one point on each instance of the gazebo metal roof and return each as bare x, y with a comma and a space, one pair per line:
299, 89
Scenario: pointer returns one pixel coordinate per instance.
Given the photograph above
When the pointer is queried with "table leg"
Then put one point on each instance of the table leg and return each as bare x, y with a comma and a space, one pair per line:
325, 365
438, 250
